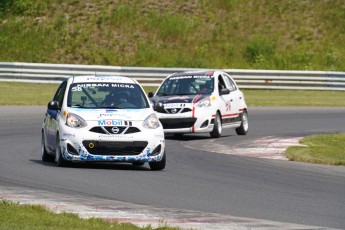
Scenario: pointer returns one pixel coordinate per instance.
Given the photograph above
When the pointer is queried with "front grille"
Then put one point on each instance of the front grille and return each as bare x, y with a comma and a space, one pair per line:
115, 148
109, 129
170, 111
177, 123
132, 130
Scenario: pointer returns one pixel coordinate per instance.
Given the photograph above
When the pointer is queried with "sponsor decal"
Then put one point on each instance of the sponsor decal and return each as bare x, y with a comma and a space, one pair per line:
110, 110
79, 87
105, 78
115, 137
174, 105
178, 98
189, 77
173, 116
68, 135
110, 122
127, 86
111, 115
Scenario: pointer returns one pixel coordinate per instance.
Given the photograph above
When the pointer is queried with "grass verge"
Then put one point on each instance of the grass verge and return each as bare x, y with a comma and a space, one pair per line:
14, 93
15, 216
320, 149
173, 33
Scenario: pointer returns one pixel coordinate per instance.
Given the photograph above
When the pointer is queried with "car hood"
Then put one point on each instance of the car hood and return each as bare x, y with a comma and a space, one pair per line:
109, 114
178, 98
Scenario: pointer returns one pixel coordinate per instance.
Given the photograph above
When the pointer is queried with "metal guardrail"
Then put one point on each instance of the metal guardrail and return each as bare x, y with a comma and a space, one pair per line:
147, 76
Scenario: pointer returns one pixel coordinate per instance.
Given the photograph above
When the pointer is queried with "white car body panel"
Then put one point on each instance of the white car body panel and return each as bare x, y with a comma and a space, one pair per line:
110, 134
171, 108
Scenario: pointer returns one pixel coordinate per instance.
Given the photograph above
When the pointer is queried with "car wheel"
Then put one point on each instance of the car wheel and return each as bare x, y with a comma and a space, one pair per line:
44, 154
243, 129
158, 165
60, 162
217, 129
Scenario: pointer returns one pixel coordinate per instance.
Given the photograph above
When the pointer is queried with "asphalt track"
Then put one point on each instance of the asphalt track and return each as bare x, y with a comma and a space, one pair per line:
195, 179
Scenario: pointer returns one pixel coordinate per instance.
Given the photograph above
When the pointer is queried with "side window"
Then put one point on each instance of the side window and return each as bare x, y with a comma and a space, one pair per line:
60, 92
221, 83
230, 83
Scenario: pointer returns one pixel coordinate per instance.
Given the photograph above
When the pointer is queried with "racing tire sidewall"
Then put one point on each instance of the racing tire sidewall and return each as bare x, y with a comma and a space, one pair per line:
217, 129
243, 129
60, 162
44, 154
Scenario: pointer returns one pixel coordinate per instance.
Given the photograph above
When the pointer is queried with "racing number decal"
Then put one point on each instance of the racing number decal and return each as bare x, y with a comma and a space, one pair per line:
228, 106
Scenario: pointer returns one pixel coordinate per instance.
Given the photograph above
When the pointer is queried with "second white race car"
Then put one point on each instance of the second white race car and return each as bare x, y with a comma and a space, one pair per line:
198, 102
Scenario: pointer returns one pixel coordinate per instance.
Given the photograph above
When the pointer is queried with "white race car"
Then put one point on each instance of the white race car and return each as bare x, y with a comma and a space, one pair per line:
102, 119
195, 102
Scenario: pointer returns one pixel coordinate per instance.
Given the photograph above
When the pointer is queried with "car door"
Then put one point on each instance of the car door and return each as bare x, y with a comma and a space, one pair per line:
229, 102
52, 116
235, 95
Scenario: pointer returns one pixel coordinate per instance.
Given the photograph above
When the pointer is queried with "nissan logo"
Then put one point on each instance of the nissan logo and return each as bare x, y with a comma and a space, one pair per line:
173, 110
115, 130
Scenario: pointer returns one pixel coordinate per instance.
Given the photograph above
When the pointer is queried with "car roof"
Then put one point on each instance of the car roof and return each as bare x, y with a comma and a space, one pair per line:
103, 78
194, 73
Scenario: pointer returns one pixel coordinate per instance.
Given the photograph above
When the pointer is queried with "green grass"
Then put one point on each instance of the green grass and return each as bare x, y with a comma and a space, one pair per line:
321, 149
14, 93
294, 98
15, 216
239, 34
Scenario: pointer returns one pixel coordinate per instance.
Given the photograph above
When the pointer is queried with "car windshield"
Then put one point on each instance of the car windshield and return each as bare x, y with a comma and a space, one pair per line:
106, 95
187, 85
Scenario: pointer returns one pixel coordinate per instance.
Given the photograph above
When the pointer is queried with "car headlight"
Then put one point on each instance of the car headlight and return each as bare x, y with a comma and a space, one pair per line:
151, 122
74, 121
206, 102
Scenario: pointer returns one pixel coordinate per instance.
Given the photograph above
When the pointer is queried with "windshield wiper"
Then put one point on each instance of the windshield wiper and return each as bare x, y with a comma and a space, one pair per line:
110, 107
181, 94
78, 106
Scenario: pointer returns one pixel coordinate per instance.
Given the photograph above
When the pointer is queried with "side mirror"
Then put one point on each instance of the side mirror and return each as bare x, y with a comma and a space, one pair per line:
53, 105
150, 94
224, 91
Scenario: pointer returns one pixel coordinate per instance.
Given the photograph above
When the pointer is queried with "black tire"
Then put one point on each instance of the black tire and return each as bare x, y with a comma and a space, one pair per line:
217, 129
60, 162
44, 154
158, 165
243, 129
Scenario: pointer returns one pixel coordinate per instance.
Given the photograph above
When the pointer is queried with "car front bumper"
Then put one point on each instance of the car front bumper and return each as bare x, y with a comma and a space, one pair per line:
84, 146
196, 121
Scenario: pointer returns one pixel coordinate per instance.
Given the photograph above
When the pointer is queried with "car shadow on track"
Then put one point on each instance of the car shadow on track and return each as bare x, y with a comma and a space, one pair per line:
193, 137
109, 166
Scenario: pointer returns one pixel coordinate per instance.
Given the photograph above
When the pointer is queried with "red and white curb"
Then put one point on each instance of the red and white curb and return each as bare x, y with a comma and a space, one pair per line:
140, 215
268, 147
